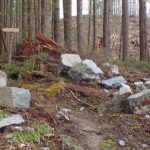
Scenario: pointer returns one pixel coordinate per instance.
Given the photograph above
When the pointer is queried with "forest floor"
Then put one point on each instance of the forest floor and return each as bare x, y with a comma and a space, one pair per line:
90, 125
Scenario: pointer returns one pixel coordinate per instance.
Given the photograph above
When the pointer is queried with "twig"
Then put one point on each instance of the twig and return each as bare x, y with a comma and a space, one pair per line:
76, 98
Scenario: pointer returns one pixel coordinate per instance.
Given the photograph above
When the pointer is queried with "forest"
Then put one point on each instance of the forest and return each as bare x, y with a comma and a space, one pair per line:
74, 74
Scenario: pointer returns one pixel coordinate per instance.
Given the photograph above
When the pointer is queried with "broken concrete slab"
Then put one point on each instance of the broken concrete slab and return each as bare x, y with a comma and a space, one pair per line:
11, 120
67, 61
124, 92
3, 79
91, 64
114, 69
16, 97
82, 72
113, 82
135, 100
125, 89
140, 85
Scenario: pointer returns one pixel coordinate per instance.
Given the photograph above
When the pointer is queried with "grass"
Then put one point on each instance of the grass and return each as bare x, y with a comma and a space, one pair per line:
34, 136
133, 66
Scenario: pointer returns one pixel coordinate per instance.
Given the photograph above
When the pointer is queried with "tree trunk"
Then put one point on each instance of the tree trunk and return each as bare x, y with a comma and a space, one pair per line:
94, 25
106, 29
1, 25
24, 19
56, 19
89, 25
125, 25
67, 24
144, 54
43, 16
79, 26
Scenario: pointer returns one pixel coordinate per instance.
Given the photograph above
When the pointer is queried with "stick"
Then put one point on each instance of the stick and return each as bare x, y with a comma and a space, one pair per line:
76, 98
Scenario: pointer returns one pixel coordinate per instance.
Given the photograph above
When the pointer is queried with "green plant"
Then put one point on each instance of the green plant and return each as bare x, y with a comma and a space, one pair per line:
34, 136
3, 114
110, 144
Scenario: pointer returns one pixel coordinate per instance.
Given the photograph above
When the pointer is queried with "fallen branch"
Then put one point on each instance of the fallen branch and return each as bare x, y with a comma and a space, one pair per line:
76, 98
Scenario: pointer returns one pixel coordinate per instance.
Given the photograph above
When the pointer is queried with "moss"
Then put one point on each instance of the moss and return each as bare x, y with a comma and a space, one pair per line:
110, 144
34, 136
55, 89
3, 114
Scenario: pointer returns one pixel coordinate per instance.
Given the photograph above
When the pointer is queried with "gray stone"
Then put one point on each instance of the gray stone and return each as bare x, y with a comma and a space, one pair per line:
13, 119
93, 66
124, 92
134, 102
21, 97
16, 97
113, 82
44, 148
67, 61
3, 79
82, 72
114, 69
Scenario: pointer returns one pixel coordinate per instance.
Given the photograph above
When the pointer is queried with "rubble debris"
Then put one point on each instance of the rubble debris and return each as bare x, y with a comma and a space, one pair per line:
110, 70
140, 85
3, 79
125, 89
124, 92
113, 82
11, 120
147, 116
22, 129
67, 61
16, 97
114, 69
63, 114
121, 142
136, 100
44, 148
80, 72
93, 66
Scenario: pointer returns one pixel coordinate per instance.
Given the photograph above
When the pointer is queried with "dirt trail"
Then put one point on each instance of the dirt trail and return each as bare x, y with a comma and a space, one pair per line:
89, 131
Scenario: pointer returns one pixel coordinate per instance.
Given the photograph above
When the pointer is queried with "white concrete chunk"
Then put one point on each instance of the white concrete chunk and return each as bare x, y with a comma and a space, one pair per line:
93, 66
13, 119
3, 79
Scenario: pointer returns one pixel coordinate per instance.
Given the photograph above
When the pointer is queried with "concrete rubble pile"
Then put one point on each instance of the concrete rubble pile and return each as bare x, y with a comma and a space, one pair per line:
108, 77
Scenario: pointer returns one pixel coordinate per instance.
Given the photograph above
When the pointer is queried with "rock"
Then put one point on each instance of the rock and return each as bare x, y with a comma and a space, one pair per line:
125, 89
140, 85
93, 66
21, 97
82, 72
67, 61
11, 120
62, 114
114, 69
110, 70
124, 92
121, 142
129, 105
44, 148
147, 116
22, 129
16, 97
3, 79
113, 82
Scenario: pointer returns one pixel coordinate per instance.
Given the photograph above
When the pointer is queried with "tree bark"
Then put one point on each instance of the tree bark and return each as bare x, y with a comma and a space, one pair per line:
106, 29
67, 24
56, 19
24, 19
125, 30
94, 25
79, 26
144, 54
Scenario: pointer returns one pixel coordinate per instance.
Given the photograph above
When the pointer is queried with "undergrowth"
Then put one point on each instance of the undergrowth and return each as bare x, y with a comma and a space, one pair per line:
133, 66
34, 136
